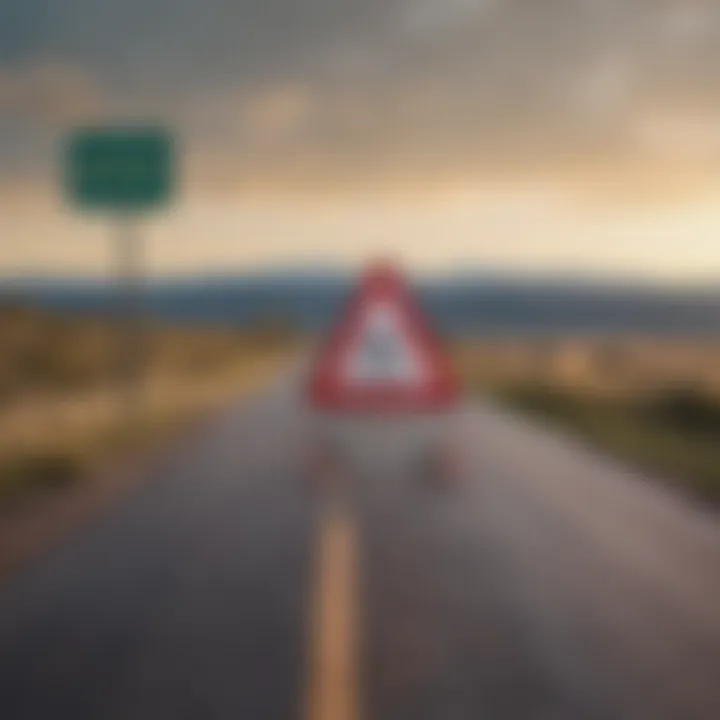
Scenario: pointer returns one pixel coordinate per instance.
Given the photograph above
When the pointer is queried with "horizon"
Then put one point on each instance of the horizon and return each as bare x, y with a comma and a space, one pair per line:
544, 278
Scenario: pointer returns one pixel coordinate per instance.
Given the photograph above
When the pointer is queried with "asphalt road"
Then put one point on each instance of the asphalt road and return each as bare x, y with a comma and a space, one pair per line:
551, 584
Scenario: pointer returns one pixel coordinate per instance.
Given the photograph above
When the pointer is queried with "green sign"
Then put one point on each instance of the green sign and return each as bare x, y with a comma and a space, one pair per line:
119, 169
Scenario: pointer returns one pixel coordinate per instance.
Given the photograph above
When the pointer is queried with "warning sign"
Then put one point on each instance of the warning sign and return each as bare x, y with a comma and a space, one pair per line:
381, 353
381, 356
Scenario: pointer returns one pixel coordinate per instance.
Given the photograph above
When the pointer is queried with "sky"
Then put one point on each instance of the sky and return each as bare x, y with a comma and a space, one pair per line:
530, 136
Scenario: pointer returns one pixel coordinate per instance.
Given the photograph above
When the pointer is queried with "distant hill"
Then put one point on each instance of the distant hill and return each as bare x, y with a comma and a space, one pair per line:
459, 306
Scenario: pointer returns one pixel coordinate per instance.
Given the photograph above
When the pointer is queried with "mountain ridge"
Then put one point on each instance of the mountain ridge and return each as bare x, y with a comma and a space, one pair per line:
462, 304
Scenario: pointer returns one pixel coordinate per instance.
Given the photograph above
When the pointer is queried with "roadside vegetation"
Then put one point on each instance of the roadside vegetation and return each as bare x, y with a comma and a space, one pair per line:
62, 408
652, 403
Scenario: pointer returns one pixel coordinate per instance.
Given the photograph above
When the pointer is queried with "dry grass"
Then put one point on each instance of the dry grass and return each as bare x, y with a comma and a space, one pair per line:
654, 402
621, 367
62, 406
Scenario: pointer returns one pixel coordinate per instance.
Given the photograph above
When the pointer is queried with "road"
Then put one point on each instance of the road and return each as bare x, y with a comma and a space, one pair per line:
551, 584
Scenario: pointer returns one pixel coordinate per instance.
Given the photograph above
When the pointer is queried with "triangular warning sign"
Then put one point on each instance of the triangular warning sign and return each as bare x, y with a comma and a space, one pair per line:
381, 356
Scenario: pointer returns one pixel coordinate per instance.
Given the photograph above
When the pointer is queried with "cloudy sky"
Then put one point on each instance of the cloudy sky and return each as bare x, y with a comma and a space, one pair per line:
528, 135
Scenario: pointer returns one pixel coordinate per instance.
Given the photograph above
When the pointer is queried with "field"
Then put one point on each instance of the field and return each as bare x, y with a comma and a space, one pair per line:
653, 402
64, 404
64, 412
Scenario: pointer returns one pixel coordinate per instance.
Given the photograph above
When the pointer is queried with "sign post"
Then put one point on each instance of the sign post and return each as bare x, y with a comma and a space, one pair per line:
382, 359
133, 347
123, 172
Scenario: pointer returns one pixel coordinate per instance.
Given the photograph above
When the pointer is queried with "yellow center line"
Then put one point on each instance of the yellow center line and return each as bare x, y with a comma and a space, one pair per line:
333, 681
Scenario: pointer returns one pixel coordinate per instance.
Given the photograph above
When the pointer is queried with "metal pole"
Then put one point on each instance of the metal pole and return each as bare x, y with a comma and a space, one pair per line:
131, 317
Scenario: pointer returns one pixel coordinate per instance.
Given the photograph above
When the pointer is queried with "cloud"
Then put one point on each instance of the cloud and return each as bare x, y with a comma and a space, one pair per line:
684, 136
425, 17
362, 92
48, 93
276, 114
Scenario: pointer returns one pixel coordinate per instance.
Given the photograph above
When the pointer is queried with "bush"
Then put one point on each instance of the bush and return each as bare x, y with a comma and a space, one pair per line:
674, 432
42, 470
685, 409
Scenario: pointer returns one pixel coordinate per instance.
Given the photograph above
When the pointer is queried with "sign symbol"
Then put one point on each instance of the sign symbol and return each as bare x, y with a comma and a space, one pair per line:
381, 353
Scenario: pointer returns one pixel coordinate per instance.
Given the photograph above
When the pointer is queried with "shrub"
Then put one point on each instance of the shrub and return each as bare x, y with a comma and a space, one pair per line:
685, 409
40, 470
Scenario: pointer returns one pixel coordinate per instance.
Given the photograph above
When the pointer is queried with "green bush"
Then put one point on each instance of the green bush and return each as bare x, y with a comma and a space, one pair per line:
673, 432
685, 409
39, 471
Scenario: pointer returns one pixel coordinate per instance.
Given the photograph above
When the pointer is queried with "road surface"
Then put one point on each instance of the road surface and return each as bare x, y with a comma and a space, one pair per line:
554, 584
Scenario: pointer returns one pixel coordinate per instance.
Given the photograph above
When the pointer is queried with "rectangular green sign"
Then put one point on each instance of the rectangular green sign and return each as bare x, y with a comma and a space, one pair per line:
119, 169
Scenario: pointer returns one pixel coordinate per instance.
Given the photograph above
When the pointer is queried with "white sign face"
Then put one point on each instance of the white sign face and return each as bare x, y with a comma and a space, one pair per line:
382, 353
